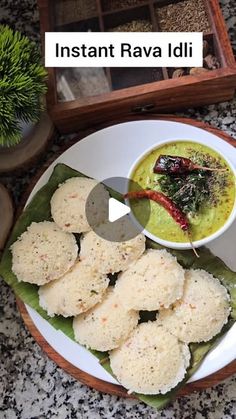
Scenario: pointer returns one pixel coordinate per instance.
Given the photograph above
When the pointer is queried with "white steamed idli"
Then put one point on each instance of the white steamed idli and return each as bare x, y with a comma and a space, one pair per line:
154, 281
106, 325
151, 361
111, 256
74, 293
43, 253
202, 311
68, 204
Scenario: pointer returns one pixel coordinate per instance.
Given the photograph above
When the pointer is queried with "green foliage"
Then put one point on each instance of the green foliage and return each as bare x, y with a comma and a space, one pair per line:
22, 84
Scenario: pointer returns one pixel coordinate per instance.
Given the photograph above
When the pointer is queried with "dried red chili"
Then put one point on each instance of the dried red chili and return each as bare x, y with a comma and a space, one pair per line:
165, 202
177, 165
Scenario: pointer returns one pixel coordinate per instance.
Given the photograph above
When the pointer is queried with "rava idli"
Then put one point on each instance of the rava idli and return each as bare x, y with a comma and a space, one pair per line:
74, 293
151, 361
154, 281
70, 204
201, 312
43, 253
111, 256
106, 325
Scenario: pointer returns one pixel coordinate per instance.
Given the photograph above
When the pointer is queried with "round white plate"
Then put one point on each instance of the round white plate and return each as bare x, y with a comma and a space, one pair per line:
110, 153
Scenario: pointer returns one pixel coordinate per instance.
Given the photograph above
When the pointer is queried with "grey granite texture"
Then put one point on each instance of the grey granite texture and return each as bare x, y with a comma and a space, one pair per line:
32, 386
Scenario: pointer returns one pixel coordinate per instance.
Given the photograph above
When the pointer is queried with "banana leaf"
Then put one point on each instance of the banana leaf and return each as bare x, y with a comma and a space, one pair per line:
39, 209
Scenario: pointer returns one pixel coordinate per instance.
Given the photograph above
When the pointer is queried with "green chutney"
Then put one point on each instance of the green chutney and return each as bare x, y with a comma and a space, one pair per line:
208, 219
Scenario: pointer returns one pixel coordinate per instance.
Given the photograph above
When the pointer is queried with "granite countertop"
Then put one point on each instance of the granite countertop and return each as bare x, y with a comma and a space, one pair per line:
32, 386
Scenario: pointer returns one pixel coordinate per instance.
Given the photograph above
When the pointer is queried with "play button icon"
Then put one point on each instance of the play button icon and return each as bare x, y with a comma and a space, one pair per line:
118, 224
116, 210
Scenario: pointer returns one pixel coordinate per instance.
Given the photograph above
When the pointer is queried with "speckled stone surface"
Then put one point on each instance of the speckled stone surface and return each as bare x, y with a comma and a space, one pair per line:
32, 386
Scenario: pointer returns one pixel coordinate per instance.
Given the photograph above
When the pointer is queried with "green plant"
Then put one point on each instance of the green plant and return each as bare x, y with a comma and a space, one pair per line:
22, 84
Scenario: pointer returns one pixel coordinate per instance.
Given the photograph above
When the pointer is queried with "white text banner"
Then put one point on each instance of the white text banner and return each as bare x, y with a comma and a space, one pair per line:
123, 49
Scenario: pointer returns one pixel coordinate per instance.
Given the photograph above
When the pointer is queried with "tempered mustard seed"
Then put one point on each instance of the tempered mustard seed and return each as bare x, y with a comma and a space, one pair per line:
185, 16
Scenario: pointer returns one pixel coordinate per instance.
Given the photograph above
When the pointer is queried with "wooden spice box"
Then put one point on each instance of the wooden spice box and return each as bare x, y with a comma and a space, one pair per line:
91, 96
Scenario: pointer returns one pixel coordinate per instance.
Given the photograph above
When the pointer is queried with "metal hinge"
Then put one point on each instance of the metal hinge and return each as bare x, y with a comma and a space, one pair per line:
143, 108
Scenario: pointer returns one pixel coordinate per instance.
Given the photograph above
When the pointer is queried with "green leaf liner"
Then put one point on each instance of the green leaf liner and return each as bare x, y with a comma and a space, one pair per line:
39, 209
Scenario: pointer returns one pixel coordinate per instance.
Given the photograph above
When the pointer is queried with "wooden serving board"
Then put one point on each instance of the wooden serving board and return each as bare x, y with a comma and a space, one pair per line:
6, 215
83, 377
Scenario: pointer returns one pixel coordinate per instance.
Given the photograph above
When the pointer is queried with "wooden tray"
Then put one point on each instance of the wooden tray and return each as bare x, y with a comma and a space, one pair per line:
136, 91
83, 377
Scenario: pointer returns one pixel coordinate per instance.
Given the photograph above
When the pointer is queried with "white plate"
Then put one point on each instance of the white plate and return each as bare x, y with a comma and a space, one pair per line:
109, 153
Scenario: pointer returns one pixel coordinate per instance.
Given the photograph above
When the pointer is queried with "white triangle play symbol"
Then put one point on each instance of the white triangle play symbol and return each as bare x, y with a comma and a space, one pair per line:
116, 210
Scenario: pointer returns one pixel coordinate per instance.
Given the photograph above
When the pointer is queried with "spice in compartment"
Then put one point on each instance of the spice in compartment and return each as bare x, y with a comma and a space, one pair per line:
129, 77
179, 72
75, 83
210, 62
184, 16
68, 11
197, 71
205, 48
138, 25
120, 4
